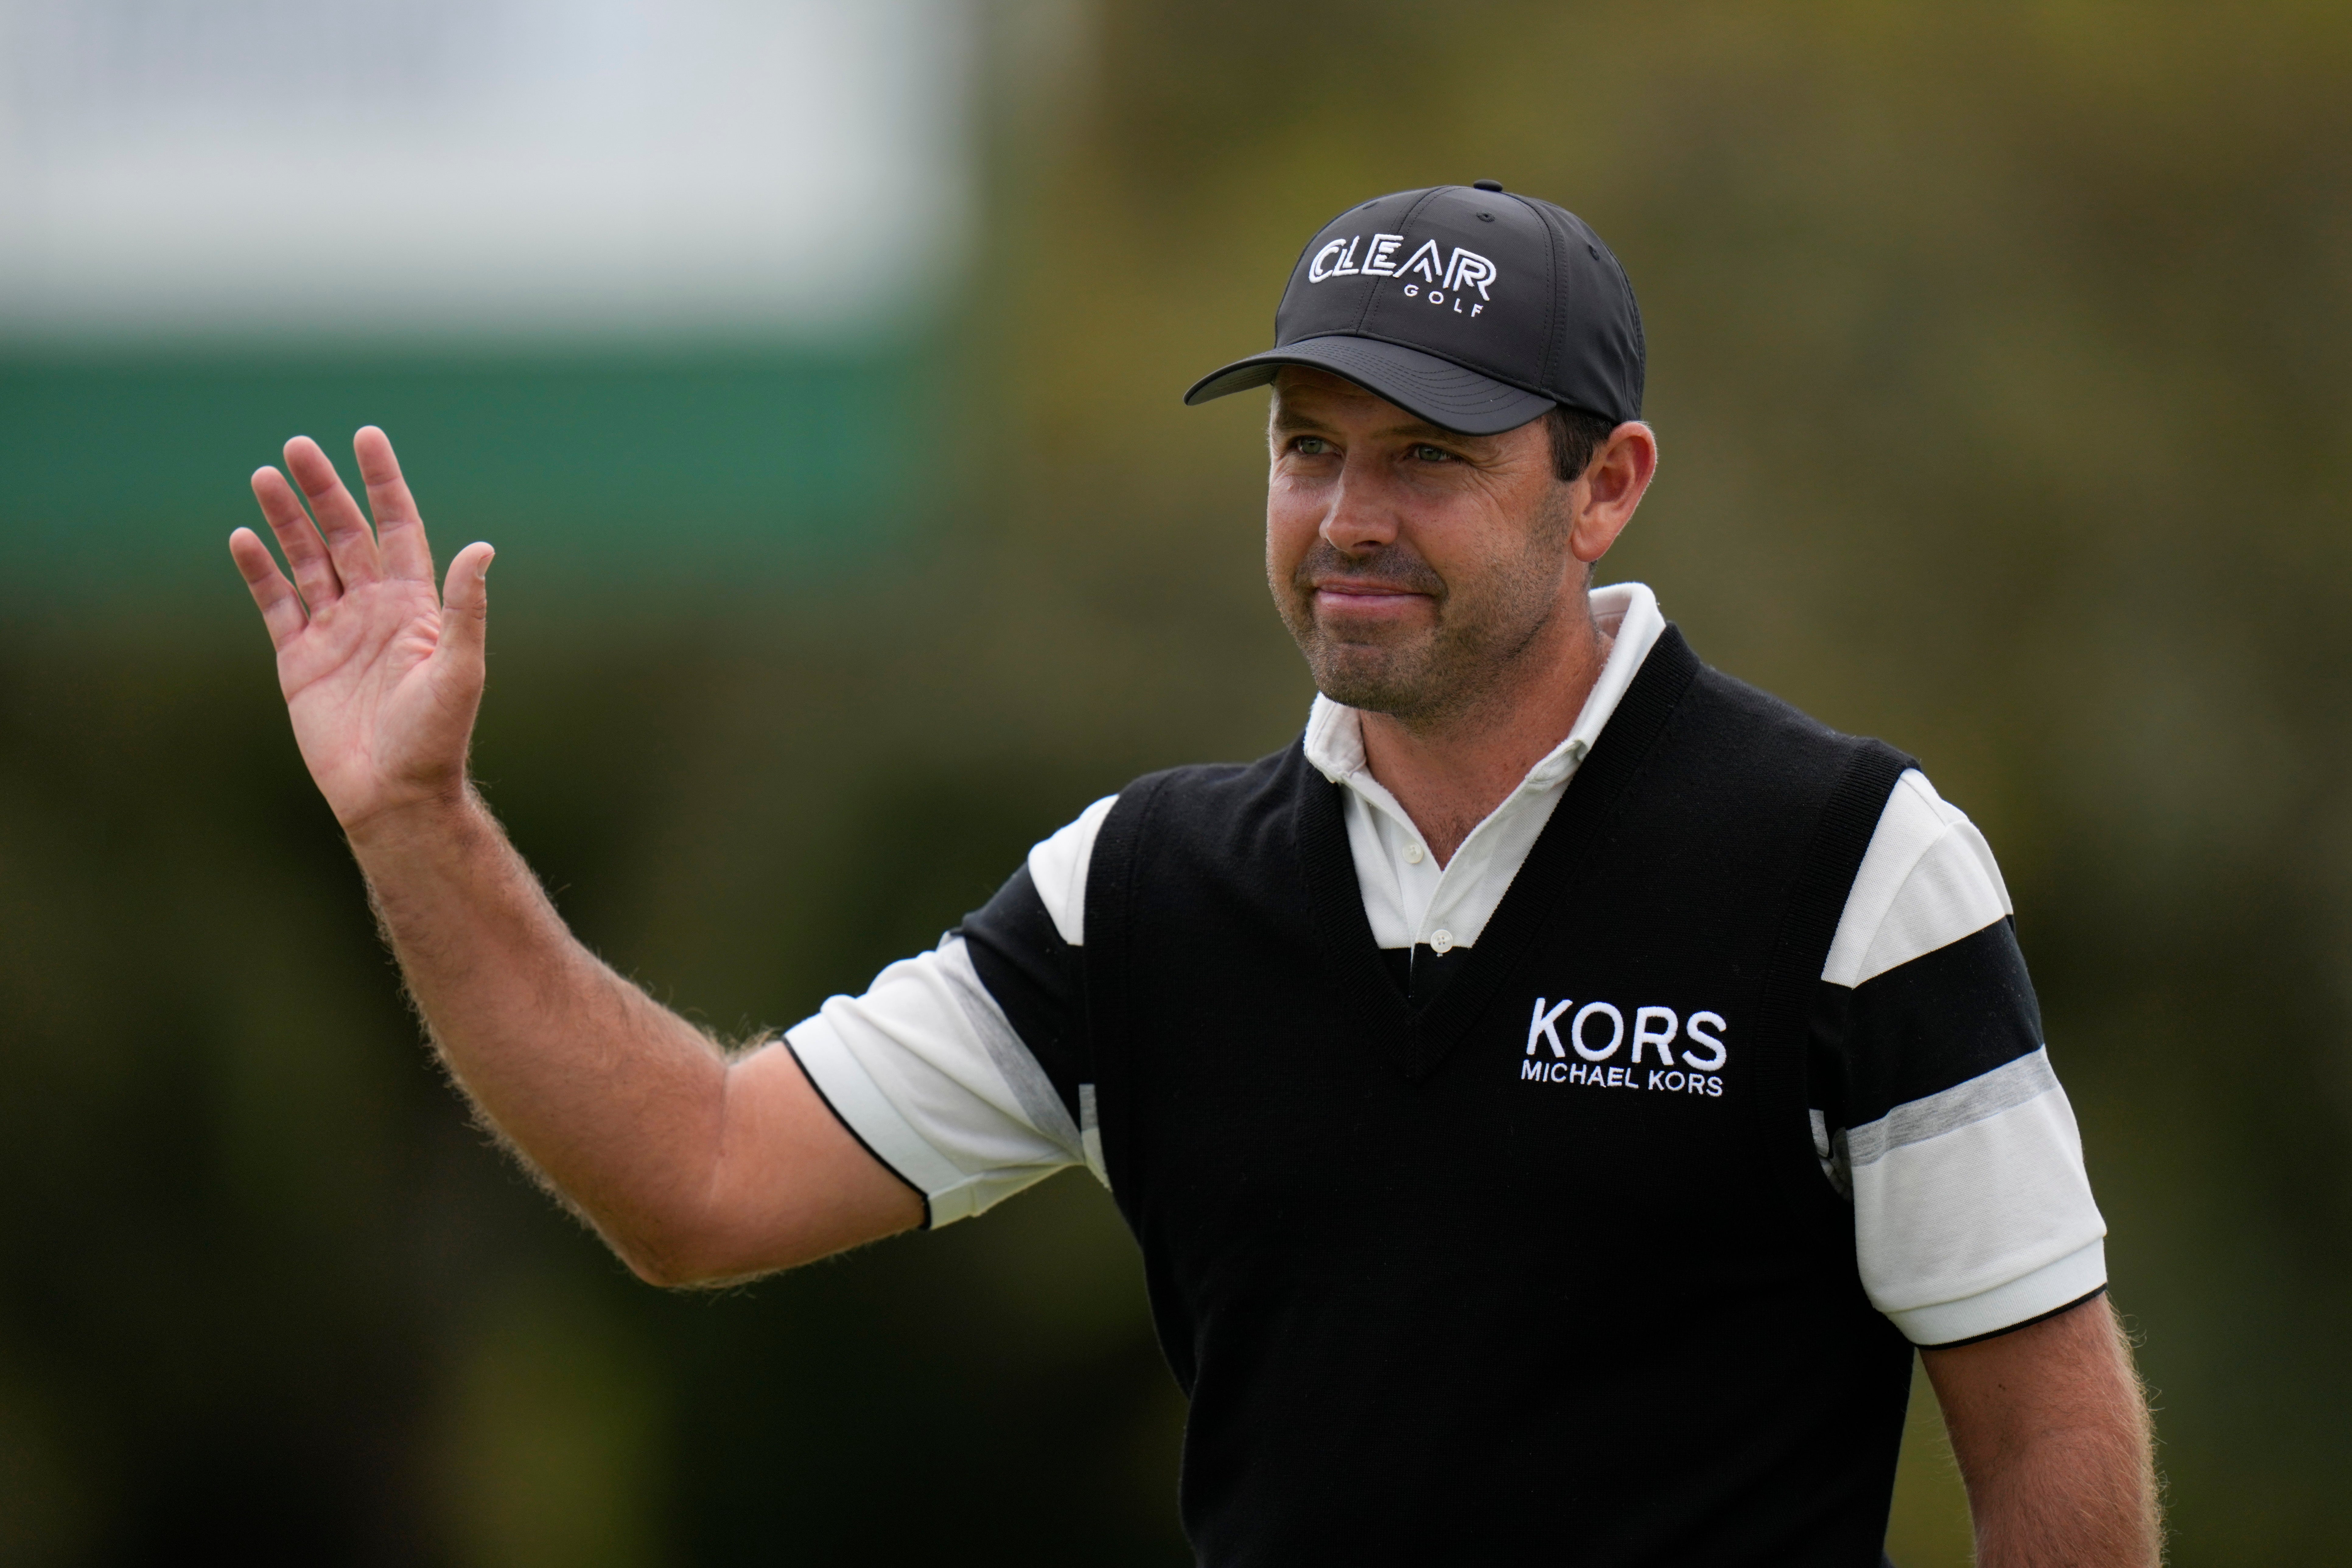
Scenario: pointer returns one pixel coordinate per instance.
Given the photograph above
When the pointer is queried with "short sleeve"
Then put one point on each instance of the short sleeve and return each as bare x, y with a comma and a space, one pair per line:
1936, 1109
941, 1067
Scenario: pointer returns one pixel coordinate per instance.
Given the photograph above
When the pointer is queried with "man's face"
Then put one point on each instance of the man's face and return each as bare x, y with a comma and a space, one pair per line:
1410, 563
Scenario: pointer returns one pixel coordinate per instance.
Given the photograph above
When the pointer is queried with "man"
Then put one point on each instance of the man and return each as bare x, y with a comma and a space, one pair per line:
1553, 1097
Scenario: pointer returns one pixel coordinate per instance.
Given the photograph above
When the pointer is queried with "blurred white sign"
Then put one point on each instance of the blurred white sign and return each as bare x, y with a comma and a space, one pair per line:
469, 169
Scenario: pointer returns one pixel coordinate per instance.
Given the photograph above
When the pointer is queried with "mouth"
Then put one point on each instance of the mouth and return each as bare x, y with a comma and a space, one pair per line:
1359, 598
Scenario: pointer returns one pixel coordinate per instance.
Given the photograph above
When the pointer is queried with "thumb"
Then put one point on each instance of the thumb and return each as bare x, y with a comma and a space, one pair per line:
465, 610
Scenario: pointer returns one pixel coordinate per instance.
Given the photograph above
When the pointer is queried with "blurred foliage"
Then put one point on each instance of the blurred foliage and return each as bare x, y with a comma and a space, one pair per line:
1999, 354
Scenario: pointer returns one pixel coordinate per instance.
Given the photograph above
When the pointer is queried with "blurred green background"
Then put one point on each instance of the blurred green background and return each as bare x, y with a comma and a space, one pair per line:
2001, 357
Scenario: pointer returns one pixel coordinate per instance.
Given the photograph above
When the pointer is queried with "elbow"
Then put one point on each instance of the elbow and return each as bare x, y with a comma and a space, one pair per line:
691, 1262
665, 1272
675, 1268
672, 1261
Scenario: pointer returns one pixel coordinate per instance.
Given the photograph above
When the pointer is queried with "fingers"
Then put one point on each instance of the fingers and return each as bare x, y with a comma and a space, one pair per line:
466, 612
306, 552
281, 608
399, 531
349, 543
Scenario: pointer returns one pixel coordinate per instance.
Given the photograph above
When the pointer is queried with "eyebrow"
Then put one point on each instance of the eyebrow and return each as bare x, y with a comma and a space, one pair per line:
1417, 429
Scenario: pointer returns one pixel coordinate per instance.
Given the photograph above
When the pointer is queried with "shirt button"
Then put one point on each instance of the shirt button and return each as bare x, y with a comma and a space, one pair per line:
1441, 941
1412, 855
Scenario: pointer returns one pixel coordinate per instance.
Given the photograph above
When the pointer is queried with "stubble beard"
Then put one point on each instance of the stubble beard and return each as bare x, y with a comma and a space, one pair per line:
1424, 676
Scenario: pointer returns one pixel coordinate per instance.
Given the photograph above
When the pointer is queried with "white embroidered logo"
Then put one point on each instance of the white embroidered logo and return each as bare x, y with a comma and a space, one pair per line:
1443, 277
1655, 1029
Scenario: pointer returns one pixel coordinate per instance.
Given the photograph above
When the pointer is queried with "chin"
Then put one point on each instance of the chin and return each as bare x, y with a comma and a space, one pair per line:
1375, 685
1378, 669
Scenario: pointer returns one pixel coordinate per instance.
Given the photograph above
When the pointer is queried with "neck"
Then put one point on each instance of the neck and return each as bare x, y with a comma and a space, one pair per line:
1451, 773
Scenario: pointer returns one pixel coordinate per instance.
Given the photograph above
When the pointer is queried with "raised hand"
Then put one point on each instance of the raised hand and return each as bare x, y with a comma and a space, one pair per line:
382, 676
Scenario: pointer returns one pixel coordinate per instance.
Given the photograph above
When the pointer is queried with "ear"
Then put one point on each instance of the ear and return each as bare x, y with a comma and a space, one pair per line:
1611, 487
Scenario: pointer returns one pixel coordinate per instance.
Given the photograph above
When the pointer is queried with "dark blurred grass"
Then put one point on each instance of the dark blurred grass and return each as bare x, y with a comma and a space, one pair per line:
1999, 358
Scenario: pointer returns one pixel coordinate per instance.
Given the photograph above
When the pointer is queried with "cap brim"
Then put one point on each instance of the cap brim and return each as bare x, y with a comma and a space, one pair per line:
1435, 389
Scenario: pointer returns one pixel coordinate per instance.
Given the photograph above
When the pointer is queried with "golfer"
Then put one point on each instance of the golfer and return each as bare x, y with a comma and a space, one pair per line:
1554, 1096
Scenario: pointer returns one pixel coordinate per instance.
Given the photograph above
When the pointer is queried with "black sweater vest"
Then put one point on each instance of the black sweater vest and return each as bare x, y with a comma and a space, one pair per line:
1545, 1270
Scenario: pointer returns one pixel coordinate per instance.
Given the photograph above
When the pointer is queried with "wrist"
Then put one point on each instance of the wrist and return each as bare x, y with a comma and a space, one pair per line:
442, 819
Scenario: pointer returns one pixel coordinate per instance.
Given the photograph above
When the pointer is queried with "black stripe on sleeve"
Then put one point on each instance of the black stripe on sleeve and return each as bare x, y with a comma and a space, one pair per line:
2038, 1317
1922, 1027
1035, 977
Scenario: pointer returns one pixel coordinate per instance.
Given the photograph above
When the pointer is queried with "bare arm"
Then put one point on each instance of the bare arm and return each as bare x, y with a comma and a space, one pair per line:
2051, 1434
691, 1166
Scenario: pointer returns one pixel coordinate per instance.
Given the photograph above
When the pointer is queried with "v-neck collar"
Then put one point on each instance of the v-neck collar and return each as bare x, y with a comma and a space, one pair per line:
1411, 899
1416, 1040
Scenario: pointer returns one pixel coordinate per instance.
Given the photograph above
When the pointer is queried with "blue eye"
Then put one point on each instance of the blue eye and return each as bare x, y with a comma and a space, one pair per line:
1429, 454
1310, 446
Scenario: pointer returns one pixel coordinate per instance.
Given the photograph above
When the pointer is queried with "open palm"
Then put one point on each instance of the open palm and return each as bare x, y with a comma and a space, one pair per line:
382, 676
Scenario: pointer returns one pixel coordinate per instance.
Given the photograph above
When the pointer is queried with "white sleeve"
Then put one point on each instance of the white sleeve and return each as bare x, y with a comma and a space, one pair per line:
1927, 879
930, 1076
1058, 866
1973, 1213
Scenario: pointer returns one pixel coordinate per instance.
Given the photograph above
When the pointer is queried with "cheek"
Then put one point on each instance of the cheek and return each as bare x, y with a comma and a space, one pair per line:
1292, 524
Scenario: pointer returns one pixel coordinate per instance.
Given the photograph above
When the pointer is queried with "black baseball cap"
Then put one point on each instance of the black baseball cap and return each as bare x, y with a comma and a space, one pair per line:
1470, 306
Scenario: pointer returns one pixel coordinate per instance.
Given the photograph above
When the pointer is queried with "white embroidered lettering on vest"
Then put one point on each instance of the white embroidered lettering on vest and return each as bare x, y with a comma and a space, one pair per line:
1644, 1034
1713, 1042
1540, 1026
1654, 1032
1616, 1031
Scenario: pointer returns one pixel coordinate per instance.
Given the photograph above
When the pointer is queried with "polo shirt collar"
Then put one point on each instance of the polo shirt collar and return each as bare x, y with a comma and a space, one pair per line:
1627, 612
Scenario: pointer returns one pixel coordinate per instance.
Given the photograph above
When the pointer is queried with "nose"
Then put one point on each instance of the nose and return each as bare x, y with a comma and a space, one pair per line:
1360, 520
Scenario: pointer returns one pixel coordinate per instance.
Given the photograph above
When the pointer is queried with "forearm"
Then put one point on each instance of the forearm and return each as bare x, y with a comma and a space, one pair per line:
2051, 1433
617, 1101
2072, 1495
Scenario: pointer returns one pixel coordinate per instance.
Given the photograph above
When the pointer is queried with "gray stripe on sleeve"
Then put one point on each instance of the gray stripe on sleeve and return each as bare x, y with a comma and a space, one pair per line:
1090, 1130
1980, 1097
1032, 1090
